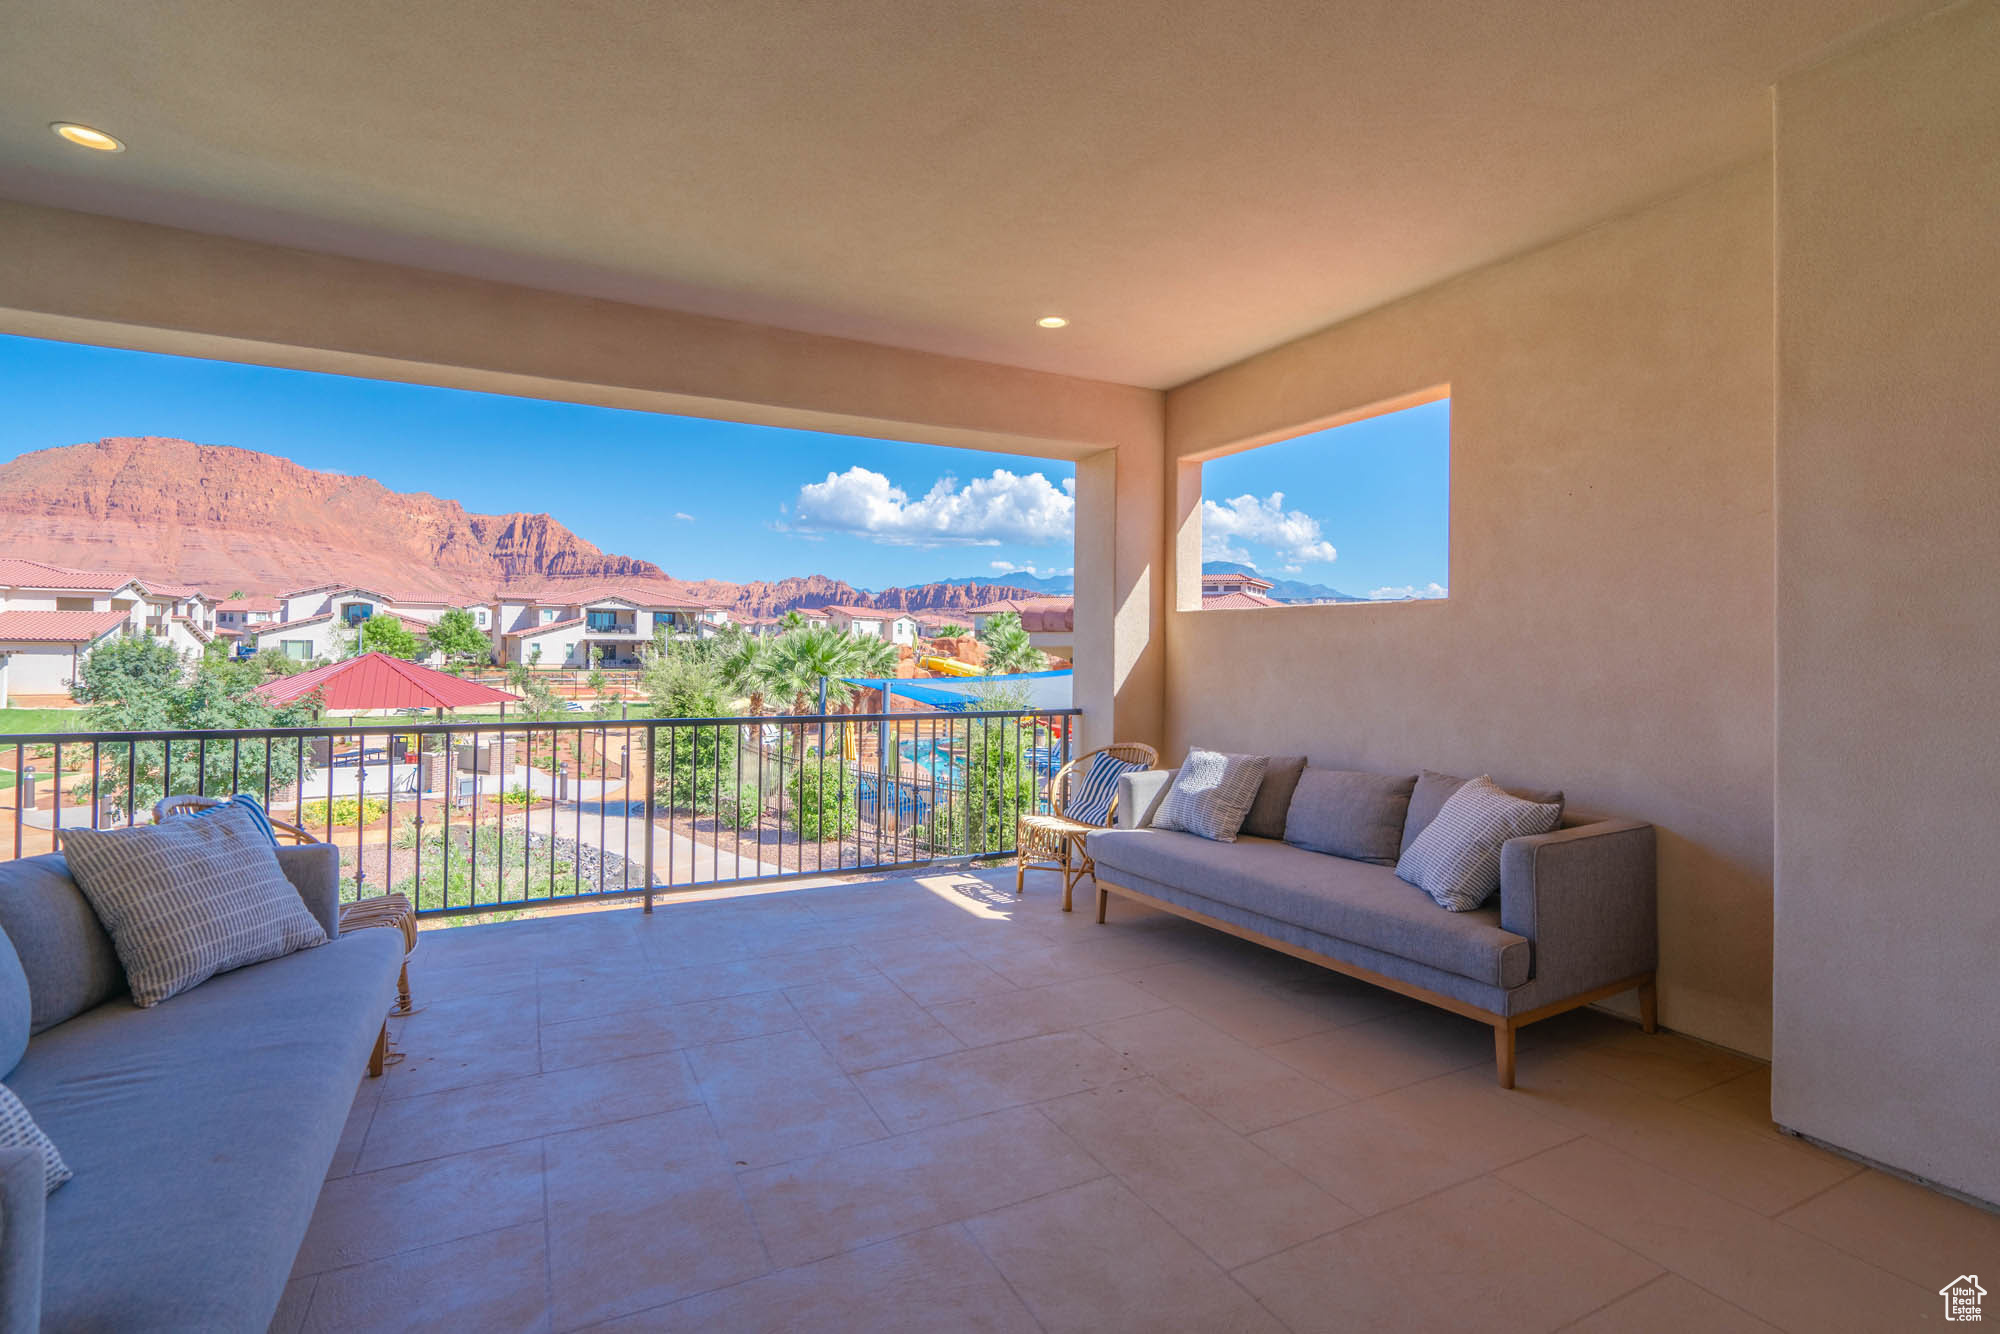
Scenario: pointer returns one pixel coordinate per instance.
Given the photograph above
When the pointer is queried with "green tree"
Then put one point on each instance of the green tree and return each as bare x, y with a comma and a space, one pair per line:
874, 657
458, 638
746, 666
801, 659
792, 620
951, 630
1008, 649
137, 684
386, 634
990, 790
699, 768
271, 662
822, 798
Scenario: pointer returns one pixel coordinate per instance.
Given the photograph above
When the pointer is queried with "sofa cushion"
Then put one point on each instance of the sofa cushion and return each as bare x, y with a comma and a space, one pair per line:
1211, 794
188, 899
1348, 900
1274, 796
1456, 860
1092, 791
200, 1132
19, 1131
16, 1007
1350, 814
64, 950
1434, 789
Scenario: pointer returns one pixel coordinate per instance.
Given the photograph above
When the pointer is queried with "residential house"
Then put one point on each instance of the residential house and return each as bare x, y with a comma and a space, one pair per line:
873, 623
317, 622
561, 629
1049, 621
238, 618
73, 610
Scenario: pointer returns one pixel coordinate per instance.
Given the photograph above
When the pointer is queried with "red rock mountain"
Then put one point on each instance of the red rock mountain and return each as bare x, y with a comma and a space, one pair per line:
226, 519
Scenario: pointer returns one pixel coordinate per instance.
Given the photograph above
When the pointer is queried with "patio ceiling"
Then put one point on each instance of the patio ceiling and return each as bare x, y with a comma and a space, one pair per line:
1188, 184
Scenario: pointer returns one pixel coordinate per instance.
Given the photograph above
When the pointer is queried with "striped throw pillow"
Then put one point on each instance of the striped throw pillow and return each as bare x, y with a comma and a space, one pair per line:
1091, 792
1456, 859
248, 803
1211, 794
19, 1131
187, 899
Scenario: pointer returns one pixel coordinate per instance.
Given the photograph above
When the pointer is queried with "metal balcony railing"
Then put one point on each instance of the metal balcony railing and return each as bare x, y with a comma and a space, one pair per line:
479, 817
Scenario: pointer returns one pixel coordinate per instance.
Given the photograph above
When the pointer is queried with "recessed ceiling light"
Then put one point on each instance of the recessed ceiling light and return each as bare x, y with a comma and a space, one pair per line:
1052, 321
85, 137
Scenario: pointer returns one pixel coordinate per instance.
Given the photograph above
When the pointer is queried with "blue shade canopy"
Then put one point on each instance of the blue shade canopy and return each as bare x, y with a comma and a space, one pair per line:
1044, 690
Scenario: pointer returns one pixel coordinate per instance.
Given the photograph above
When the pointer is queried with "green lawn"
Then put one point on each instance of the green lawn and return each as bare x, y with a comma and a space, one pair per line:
13, 722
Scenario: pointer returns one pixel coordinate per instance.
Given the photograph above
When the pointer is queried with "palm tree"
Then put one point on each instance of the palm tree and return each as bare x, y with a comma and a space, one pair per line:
1008, 648
746, 668
800, 659
792, 620
875, 657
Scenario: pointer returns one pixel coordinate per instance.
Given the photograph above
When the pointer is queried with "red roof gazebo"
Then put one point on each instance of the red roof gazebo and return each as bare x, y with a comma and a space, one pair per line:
376, 681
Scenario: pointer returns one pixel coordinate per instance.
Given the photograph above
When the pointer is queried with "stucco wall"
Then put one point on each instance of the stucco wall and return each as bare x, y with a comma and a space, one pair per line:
1609, 626
1888, 744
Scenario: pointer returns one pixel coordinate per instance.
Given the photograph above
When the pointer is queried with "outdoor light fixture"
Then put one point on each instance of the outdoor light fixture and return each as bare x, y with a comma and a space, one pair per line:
85, 137
1052, 321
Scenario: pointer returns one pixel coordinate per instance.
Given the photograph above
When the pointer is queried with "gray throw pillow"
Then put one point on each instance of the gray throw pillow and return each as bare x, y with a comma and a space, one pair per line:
188, 899
19, 1131
1211, 794
1274, 796
1350, 814
1456, 860
1434, 789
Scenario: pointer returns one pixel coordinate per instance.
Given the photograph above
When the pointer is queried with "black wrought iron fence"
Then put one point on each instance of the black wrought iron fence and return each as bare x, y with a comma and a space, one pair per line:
487, 816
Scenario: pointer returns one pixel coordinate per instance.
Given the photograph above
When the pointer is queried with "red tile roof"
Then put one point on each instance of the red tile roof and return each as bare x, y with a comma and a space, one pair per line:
59, 627
1229, 579
18, 573
864, 613
545, 629
378, 681
258, 603
1237, 601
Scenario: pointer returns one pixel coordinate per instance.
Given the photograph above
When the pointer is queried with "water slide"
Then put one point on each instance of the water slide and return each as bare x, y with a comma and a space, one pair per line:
950, 666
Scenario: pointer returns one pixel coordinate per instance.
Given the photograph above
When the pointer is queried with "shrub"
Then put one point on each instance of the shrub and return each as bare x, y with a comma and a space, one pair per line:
345, 811
823, 799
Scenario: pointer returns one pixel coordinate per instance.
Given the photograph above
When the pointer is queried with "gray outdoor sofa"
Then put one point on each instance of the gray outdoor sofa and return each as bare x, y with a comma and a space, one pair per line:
1574, 921
199, 1131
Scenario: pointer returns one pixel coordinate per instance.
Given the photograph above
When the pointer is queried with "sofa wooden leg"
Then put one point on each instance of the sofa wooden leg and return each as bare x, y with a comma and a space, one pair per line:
375, 1058
1649, 1005
1103, 898
1503, 1054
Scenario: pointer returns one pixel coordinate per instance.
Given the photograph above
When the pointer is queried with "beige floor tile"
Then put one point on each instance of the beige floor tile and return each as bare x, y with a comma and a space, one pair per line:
1029, 1012
291, 1314
458, 1120
374, 1214
865, 1022
661, 1028
454, 1041
1477, 1256
986, 1079
641, 1213
1903, 1227
495, 1283
348, 1152
768, 972
1372, 1057
1244, 1088
1670, 1305
820, 1206
1219, 1190
1095, 1258
1395, 1147
941, 973
780, 1097
572, 991
1744, 1100
1255, 1009
1665, 1064
1764, 1172
920, 1284
1794, 1281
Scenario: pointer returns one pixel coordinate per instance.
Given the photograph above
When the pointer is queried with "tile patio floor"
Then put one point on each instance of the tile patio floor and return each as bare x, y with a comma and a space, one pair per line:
918, 1104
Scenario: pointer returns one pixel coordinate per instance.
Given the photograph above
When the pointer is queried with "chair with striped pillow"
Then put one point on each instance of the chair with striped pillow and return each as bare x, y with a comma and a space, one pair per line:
1082, 796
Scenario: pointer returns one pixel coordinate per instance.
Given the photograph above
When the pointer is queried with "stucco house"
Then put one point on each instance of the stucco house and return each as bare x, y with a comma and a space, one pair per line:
873, 623
617, 622
52, 615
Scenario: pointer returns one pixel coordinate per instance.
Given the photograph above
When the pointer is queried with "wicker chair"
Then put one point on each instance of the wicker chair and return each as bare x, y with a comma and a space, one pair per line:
1055, 842
391, 910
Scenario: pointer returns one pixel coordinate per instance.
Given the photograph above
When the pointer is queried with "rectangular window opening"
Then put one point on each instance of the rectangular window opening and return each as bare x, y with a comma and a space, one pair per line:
1356, 512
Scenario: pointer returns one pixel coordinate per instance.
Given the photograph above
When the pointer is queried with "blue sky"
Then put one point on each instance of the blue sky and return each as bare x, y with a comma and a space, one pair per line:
1364, 508
705, 499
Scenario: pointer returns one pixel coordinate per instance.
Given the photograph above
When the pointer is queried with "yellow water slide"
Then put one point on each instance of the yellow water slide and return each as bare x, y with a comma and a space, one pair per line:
950, 666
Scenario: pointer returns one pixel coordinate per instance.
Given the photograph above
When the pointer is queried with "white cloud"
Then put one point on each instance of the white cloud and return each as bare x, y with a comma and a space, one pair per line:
1003, 507
1293, 534
1408, 593
683, 517
1018, 567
